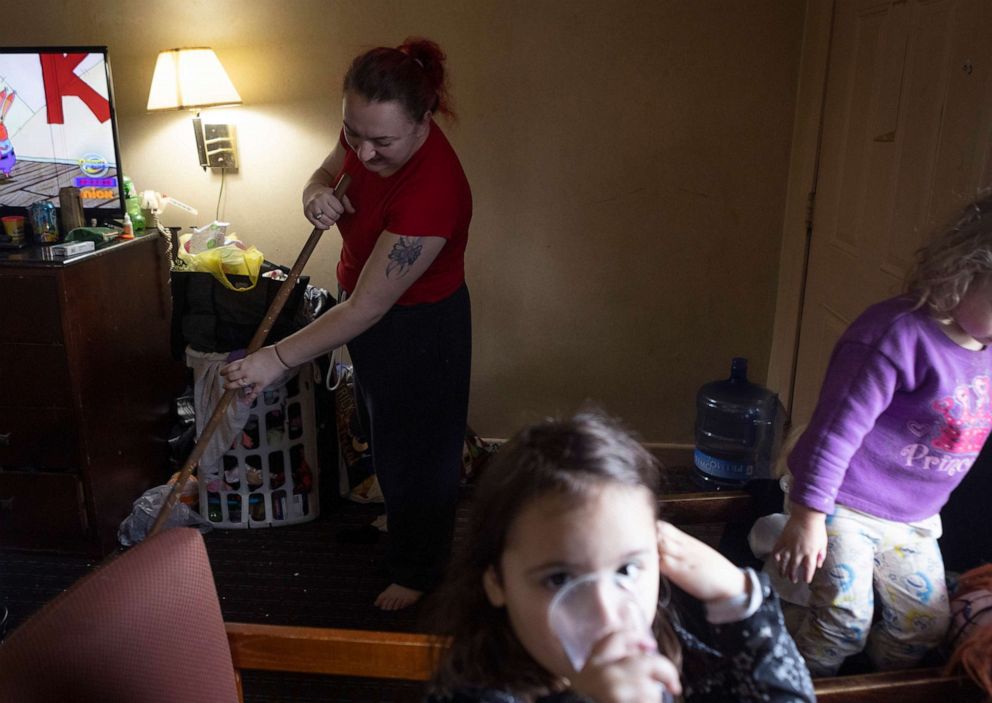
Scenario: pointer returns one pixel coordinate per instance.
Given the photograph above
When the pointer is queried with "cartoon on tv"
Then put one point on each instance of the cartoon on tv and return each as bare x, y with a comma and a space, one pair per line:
56, 128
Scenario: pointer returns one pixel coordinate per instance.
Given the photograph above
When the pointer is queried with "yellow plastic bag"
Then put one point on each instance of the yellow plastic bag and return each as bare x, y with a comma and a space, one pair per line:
224, 261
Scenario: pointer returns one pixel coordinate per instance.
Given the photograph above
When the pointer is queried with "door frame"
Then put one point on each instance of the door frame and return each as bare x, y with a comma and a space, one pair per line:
801, 185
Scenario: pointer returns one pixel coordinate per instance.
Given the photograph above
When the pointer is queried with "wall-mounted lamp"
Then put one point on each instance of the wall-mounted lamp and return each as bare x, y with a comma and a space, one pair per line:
193, 79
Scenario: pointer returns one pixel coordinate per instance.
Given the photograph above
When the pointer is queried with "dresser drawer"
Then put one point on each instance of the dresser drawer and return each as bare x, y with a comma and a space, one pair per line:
41, 510
39, 438
30, 309
34, 375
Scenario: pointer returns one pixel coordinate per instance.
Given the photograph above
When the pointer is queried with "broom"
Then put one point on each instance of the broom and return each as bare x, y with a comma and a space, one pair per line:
254, 345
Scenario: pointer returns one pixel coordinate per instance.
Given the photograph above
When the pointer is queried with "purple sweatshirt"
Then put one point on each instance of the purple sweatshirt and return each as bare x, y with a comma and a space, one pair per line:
903, 413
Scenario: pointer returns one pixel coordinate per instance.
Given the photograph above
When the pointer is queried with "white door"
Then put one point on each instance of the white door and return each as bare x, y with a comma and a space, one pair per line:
907, 128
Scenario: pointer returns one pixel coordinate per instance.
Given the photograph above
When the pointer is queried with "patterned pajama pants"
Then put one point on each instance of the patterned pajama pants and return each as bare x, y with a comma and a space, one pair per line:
866, 555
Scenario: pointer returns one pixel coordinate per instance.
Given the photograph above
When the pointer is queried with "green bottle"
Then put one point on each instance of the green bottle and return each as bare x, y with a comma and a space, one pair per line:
133, 203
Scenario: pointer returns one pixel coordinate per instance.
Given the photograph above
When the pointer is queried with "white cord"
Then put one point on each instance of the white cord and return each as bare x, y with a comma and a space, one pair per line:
223, 173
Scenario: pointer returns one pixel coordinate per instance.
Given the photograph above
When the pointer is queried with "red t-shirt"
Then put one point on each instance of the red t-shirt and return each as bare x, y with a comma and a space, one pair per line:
428, 197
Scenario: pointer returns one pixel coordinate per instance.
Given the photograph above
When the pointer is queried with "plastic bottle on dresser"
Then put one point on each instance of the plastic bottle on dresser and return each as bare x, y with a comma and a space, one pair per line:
128, 231
133, 203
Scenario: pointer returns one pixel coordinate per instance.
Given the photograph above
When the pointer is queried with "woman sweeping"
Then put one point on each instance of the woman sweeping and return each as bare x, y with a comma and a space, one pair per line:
405, 314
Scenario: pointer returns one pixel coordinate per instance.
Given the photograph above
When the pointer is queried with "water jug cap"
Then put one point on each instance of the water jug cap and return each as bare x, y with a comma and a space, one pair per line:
738, 369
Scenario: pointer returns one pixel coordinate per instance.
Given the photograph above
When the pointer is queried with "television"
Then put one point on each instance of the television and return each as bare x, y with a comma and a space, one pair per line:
58, 128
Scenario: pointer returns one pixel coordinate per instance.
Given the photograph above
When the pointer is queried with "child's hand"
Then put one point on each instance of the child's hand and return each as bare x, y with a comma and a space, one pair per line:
622, 671
802, 546
697, 568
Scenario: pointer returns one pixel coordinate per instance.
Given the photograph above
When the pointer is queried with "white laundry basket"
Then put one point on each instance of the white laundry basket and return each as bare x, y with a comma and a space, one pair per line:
270, 473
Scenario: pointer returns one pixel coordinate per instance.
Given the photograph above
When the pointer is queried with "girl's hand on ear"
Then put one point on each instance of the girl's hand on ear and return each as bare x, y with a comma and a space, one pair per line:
620, 670
697, 568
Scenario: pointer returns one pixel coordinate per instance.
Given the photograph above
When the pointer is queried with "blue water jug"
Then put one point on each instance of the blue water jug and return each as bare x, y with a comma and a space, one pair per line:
736, 430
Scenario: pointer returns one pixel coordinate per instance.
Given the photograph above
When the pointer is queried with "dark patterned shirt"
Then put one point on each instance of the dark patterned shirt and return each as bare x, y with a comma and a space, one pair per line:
740, 662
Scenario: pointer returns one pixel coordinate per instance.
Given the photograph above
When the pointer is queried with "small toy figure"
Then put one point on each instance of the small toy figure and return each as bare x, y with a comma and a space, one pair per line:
7, 156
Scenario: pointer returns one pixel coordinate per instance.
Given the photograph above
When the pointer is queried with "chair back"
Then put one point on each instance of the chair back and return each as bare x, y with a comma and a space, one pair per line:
145, 626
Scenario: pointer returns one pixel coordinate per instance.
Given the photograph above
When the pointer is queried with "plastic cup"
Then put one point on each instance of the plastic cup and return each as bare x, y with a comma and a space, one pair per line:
593, 606
13, 226
589, 608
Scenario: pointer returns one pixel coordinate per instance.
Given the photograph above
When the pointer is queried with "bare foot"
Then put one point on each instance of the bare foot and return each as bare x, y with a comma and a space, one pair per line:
397, 597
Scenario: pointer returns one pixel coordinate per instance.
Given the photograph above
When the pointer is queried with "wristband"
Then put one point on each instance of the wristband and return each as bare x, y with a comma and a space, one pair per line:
275, 348
739, 607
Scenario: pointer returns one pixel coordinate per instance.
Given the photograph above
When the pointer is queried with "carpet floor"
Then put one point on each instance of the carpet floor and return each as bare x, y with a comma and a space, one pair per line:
302, 574
314, 574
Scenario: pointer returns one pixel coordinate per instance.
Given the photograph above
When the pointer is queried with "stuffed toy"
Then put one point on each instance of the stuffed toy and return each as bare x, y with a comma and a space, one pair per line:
970, 636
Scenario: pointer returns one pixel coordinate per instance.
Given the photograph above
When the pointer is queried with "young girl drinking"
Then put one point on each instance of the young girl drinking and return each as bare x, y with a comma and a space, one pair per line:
903, 413
568, 499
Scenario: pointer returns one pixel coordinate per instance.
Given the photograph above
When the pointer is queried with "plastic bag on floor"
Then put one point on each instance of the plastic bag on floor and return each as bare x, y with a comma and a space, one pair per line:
136, 526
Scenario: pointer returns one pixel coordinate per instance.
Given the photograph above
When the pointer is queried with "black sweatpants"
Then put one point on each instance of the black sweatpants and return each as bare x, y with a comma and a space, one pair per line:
412, 372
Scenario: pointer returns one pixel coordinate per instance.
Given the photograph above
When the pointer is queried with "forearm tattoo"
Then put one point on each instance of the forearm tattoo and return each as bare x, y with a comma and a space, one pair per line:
404, 254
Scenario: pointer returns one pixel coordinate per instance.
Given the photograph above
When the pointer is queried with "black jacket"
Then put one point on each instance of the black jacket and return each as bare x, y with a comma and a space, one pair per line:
751, 660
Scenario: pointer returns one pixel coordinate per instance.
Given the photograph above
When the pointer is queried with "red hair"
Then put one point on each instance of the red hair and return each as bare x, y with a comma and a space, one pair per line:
412, 74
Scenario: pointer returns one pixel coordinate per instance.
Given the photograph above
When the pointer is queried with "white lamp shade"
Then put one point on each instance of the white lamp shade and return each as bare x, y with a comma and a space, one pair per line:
190, 78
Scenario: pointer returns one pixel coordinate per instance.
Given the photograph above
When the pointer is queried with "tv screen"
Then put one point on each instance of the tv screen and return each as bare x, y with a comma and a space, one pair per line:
57, 129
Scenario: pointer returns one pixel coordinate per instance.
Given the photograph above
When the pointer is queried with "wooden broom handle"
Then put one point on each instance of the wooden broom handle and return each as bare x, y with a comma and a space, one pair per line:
275, 307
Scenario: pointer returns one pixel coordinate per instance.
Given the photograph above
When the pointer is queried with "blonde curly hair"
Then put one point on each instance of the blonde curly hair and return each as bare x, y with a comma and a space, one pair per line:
955, 257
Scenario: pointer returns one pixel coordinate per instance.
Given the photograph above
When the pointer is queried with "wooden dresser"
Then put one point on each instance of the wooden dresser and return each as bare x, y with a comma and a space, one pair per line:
86, 381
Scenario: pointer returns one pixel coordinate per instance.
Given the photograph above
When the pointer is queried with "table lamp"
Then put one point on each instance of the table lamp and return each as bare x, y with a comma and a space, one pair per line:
194, 79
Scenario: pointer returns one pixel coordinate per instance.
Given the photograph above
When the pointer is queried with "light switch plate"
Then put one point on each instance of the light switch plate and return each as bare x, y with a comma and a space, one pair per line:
220, 146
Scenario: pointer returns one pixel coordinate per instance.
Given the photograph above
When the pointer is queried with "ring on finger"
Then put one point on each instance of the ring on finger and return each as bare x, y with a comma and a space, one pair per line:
242, 382
318, 214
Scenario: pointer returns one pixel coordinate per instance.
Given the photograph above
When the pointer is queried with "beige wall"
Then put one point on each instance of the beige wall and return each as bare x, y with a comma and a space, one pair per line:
628, 161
